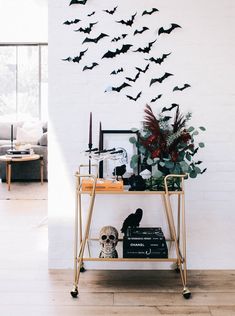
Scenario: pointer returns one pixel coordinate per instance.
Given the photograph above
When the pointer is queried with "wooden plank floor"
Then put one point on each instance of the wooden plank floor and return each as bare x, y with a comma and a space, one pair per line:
27, 287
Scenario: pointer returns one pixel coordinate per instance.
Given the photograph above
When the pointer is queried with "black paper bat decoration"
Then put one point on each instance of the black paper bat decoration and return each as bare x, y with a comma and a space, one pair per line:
173, 105
94, 40
92, 13
116, 39
134, 79
204, 170
161, 79
71, 22
128, 22
155, 99
111, 11
78, 2
86, 29
145, 49
136, 98
143, 70
123, 50
168, 31
186, 85
90, 67
150, 12
145, 28
76, 59
115, 72
118, 89
159, 60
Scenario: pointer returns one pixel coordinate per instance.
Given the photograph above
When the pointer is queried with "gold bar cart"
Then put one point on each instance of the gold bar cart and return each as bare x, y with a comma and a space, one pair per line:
177, 231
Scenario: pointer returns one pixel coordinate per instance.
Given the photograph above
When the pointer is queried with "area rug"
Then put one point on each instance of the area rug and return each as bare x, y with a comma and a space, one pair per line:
24, 191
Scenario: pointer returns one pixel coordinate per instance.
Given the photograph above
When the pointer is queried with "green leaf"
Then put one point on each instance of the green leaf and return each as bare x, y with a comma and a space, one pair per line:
195, 133
201, 145
197, 170
162, 163
188, 157
134, 161
132, 140
142, 150
149, 161
190, 129
202, 128
184, 166
193, 174
169, 164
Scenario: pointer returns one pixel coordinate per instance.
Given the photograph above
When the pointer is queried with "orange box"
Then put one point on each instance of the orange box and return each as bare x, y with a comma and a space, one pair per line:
102, 185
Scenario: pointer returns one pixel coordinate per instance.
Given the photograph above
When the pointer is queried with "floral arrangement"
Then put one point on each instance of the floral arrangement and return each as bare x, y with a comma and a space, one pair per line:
167, 146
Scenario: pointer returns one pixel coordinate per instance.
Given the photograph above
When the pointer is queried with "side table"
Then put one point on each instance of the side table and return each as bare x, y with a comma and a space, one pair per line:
24, 158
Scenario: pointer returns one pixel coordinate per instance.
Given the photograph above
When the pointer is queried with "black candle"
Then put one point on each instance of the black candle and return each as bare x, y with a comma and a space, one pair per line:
100, 138
11, 136
90, 132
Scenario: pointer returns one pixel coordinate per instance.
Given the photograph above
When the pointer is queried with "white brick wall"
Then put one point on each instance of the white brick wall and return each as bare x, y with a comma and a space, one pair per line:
202, 55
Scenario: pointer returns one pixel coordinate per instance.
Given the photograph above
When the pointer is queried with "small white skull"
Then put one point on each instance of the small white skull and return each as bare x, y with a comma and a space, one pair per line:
108, 239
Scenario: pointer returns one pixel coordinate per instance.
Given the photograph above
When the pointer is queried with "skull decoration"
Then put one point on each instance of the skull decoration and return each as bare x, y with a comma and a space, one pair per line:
108, 240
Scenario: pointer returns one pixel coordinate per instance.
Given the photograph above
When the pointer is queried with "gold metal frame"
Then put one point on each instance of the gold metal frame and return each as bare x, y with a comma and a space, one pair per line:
176, 231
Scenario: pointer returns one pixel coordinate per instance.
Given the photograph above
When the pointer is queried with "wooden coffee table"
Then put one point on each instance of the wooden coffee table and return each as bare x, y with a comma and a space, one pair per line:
9, 160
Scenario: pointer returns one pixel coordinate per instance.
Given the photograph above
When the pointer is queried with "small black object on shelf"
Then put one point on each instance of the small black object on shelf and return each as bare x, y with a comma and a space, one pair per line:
132, 220
137, 183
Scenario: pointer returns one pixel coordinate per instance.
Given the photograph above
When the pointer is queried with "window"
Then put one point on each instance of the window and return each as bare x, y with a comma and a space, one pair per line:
23, 82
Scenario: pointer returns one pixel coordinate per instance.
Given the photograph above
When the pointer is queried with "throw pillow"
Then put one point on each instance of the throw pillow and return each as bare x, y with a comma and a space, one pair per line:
43, 140
28, 134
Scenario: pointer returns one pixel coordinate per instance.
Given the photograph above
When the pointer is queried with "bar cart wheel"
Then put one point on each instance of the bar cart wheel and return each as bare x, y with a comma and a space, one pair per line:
186, 293
74, 293
82, 269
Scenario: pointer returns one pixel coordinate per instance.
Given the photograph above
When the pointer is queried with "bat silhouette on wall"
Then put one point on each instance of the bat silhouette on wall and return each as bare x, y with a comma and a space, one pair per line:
115, 72
123, 50
173, 105
155, 99
94, 40
134, 79
92, 13
90, 67
168, 31
116, 39
161, 79
78, 2
118, 89
159, 60
145, 49
144, 28
71, 22
143, 70
136, 98
111, 11
150, 12
128, 22
86, 29
185, 86
76, 59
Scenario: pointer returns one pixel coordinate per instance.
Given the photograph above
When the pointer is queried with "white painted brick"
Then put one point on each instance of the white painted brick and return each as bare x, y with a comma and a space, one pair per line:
202, 55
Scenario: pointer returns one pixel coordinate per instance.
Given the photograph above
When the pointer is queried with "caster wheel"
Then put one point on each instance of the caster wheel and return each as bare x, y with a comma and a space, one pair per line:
82, 269
177, 270
74, 293
186, 293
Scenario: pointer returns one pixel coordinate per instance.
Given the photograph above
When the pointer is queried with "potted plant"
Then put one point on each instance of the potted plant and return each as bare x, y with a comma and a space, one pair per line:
168, 146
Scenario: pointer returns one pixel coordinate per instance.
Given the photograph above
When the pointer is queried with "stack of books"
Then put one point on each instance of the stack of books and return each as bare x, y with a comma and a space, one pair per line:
144, 242
15, 153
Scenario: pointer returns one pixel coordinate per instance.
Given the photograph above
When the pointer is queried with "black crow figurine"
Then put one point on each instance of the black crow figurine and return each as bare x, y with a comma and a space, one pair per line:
133, 220
119, 171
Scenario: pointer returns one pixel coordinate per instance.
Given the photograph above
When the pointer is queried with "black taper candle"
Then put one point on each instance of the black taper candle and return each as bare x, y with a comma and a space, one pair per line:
90, 141
11, 136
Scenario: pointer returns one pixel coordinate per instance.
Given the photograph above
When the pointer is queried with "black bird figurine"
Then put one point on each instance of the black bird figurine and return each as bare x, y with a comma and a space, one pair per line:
133, 220
119, 171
